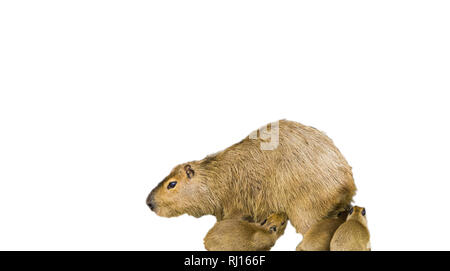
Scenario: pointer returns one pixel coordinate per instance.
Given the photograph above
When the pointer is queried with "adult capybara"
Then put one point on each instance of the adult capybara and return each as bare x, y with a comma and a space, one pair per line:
290, 168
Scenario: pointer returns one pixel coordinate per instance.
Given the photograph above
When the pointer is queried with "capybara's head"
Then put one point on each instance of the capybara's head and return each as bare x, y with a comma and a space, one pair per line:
182, 191
358, 213
275, 223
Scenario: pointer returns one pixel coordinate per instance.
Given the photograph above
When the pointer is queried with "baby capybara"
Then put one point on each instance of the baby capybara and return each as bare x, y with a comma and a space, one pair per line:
353, 234
237, 234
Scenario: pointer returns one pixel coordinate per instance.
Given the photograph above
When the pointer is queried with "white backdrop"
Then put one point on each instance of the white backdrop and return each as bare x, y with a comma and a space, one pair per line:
100, 99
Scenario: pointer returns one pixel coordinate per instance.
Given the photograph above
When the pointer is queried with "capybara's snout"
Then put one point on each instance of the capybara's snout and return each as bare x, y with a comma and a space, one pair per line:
151, 201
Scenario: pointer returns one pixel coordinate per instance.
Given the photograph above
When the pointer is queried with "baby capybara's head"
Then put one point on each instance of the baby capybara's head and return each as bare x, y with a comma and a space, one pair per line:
358, 213
182, 191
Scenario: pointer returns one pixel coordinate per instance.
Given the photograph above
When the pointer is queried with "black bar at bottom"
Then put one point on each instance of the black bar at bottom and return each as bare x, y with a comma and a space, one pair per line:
205, 261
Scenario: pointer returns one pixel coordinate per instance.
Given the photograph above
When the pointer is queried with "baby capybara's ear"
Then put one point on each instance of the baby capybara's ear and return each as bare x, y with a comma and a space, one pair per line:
189, 171
350, 211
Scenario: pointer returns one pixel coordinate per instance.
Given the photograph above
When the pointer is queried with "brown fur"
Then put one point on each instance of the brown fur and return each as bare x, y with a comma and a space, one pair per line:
318, 237
235, 234
305, 177
353, 234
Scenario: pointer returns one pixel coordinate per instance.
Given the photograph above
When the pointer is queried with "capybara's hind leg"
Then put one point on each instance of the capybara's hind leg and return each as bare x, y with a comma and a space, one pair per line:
299, 218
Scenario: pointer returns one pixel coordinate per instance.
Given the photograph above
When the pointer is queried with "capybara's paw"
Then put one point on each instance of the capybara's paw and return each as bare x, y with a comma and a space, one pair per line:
275, 222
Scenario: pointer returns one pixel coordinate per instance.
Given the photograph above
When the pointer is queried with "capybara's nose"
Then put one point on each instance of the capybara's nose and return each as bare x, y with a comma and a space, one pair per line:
151, 201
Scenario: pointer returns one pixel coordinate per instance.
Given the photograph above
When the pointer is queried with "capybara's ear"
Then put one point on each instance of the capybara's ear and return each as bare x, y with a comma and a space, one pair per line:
350, 211
189, 171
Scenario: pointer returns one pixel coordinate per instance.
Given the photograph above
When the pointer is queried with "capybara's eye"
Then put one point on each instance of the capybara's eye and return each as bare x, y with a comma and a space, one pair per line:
351, 211
363, 212
264, 222
171, 185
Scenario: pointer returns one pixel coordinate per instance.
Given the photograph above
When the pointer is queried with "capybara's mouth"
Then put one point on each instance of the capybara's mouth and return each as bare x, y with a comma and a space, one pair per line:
164, 211
157, 211
152, 206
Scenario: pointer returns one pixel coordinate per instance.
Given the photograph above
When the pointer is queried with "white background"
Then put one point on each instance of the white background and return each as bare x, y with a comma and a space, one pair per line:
100, 99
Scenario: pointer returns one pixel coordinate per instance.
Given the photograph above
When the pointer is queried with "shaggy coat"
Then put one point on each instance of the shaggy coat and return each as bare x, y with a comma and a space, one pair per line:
305, 177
